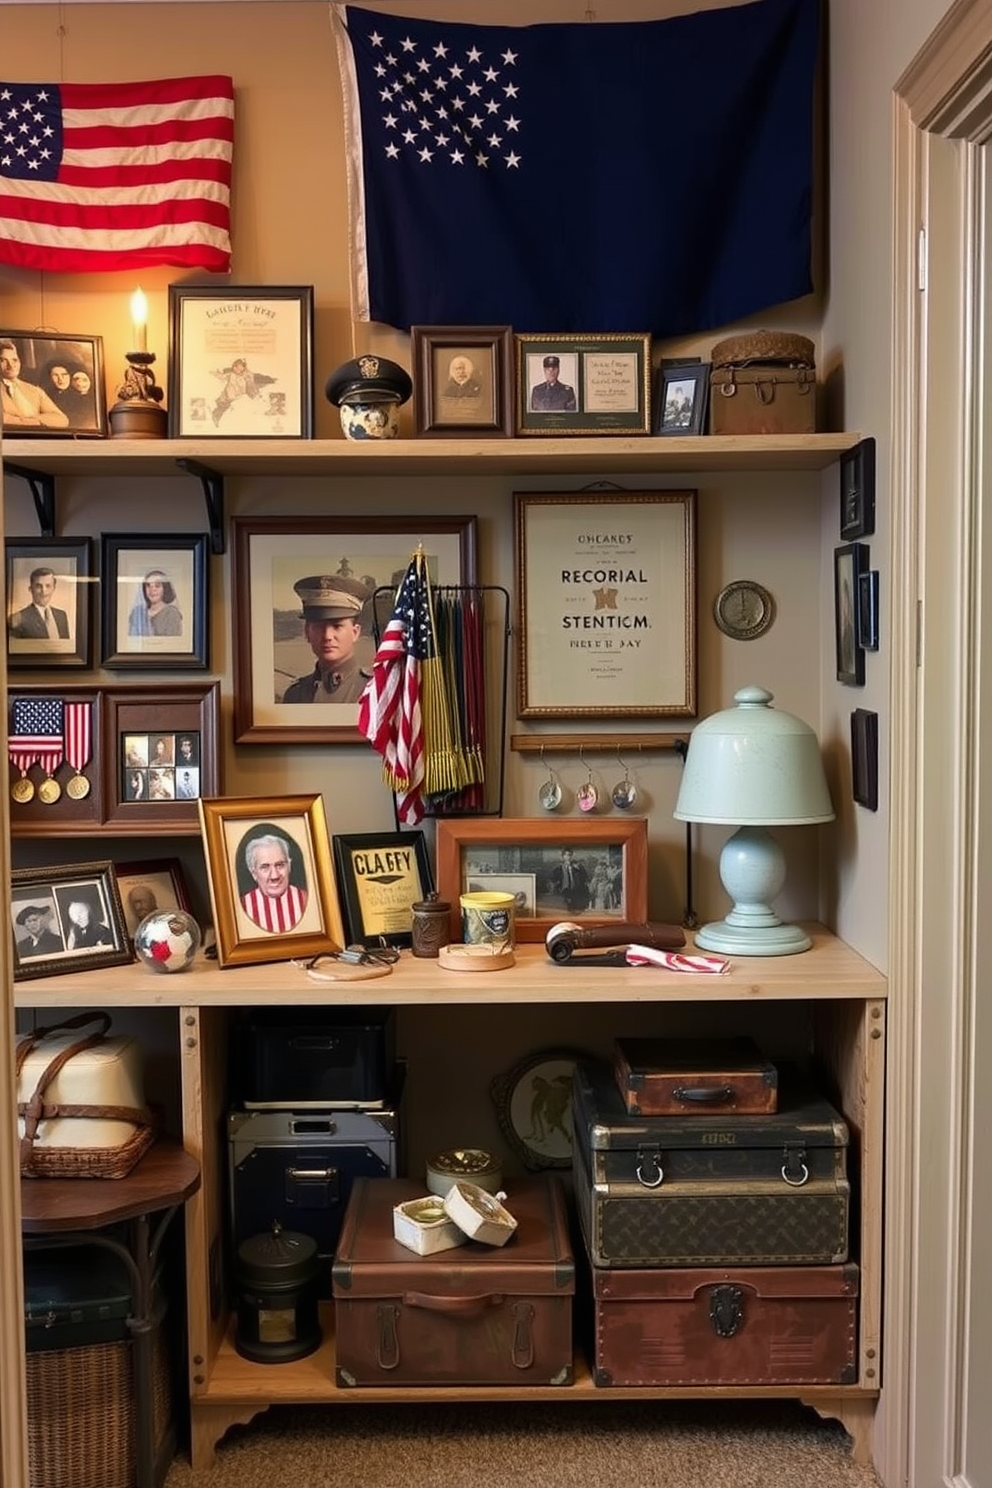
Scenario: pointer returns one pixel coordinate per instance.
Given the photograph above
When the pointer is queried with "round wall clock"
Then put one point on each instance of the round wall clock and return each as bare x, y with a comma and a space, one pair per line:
744, 609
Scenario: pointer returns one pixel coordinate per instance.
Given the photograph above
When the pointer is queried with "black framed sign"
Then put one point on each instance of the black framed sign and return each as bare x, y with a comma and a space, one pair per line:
381, 876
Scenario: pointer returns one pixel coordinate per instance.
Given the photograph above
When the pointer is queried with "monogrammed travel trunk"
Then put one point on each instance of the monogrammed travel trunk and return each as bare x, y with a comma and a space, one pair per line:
709, 1190
672, 1076
783, 1325
473, 1315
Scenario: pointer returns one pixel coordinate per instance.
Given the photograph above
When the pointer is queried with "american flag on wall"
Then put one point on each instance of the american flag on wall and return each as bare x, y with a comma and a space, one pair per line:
98, 176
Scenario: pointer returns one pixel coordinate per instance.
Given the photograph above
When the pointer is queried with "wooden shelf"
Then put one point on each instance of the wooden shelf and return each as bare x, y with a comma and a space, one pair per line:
829, 970
412, 457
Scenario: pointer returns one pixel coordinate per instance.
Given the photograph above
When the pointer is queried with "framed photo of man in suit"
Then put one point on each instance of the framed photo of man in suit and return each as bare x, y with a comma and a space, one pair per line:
48, 602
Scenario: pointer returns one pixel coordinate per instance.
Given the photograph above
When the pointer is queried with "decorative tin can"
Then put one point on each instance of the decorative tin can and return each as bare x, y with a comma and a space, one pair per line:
479, 1167
276, 1277
487, 919
430, 925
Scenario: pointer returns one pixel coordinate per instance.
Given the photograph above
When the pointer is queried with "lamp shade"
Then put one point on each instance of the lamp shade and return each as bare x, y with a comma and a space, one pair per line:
754, 765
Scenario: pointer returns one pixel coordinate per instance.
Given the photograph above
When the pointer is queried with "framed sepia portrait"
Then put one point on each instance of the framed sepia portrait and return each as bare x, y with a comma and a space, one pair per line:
682, 395
304, 636
148, 887
66, 918
591, 871
850, 563
606, 604
160, 755
583, 384
462, 381
240, 361
49, 602
52, 386
381, 876
271, 878
155, 592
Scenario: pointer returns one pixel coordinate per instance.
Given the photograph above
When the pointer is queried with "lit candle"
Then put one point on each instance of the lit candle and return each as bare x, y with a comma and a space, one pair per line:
139, 320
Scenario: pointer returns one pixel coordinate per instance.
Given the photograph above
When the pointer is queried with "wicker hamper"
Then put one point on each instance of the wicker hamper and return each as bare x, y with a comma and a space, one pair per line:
763, 382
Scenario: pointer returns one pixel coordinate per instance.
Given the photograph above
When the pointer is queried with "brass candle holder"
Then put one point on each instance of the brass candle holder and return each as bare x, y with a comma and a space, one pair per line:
138, 412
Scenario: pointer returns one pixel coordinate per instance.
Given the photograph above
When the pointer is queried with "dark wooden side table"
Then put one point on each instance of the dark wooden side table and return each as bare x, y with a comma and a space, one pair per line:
57, 1212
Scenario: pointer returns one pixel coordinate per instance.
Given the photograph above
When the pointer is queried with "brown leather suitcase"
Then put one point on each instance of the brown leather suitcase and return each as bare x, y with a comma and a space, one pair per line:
793, 1325
763, 382
475, 1315
670, 1076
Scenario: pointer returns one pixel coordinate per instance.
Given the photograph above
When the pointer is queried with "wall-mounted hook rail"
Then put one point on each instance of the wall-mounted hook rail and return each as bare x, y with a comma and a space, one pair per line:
213, 495
42, 490
593, 743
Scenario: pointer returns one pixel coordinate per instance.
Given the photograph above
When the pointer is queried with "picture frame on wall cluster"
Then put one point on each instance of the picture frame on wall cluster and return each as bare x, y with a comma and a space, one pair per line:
66, 918
583, 384
49, 602
241, 361
155, 597
52, 385
462, 381
850, 566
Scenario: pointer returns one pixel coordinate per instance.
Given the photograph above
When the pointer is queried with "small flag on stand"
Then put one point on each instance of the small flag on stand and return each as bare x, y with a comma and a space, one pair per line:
389, 710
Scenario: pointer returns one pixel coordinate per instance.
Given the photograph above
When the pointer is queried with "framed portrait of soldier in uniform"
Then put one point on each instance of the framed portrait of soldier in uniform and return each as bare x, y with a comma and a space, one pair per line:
308, 592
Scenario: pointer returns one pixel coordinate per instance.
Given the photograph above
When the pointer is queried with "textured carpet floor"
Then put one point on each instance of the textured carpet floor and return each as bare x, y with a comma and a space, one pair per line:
712, 1444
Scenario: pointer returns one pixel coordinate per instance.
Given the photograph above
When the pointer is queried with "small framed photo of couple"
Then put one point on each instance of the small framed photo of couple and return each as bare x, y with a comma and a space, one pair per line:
462, 381
271, 878
49, 588
155, 598
240, 362
52, 386
66, 918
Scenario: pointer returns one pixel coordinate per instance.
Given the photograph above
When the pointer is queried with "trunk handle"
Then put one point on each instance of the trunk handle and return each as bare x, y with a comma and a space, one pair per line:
457, 1305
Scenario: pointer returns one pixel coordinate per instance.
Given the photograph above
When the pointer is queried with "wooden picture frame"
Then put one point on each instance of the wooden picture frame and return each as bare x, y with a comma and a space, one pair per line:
240, 361
857, 491
474, 846
67, 939
63, 583
682, 396
381, 876
583, 384
138, 721
271, 649
864, 758
606, 604
156, 884
850, 562
253, 922
60, 391
462, 381
155, 592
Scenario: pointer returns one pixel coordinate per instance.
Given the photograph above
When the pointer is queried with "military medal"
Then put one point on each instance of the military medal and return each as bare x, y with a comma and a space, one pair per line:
22, 790
77, 748
49, 790
36, 734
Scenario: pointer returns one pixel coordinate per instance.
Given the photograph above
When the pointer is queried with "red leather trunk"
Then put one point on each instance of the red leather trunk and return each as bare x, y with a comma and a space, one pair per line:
475, 1315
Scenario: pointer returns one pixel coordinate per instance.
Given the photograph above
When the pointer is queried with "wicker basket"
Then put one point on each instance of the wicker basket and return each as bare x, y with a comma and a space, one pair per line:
81, 1414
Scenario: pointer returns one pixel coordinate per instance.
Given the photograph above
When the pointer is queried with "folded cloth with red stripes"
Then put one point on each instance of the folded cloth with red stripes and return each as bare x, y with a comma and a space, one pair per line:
638, 955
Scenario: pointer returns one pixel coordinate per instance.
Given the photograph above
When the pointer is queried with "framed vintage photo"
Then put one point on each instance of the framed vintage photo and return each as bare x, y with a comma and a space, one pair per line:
155, 592
583, 384
857, 491
850, 562
66, 918
49, 602
864, 758
682, 396
160, 755
271, 878
462, 381
534, 1107
157, 884
52, 385
381, 876
591, 871
240, 361
868, 610
606, 604
304, 637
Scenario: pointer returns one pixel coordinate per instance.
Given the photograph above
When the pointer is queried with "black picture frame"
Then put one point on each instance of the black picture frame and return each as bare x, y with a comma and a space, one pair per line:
74, 401
173, 634
69, 560
857, 491
268, 328
53, 890
380, 876
681, 398
480, 404
864, 758
850, 562
868, 610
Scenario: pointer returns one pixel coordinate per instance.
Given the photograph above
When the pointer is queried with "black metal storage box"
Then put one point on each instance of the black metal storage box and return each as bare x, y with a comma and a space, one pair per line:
709, 1190
299, 1057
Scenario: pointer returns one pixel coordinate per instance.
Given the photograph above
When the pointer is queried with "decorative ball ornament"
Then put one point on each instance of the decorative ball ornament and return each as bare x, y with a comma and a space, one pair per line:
167, 940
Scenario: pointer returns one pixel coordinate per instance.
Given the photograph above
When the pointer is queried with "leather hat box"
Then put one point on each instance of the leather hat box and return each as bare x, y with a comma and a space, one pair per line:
763, 383
80, 1103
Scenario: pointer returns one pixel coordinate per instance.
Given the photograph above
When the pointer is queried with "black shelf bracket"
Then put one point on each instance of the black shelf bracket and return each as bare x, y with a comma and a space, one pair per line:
43, 490
213, 495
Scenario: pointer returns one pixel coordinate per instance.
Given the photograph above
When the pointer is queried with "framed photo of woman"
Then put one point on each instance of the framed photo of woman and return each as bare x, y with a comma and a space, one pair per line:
155, 596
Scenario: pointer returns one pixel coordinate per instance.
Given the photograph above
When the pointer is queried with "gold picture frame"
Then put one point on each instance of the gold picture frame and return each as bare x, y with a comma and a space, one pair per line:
283, 906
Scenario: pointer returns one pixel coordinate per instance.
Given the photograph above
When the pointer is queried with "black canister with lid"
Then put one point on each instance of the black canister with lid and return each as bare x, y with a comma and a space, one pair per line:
430, 925
277, 1283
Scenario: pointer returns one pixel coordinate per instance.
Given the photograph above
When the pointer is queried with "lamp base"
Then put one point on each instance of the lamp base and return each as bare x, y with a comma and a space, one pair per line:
752, 940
